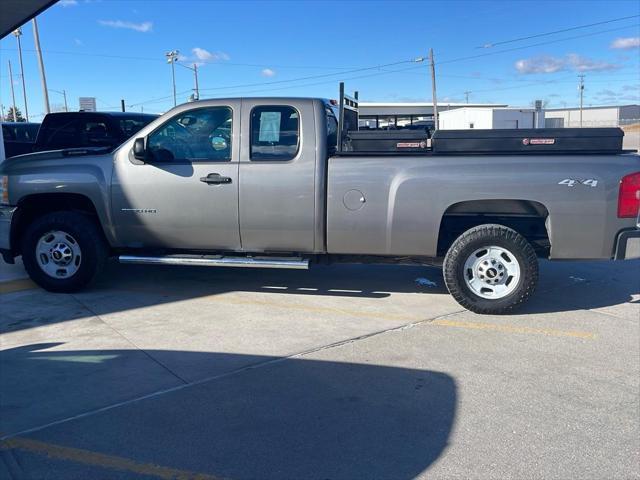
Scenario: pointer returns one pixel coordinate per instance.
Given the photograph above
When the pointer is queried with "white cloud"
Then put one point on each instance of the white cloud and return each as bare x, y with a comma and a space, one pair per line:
610, 96
572, 61
138, 27
583, 64
541, 64
68, 3
207, 56
78, 42
267, 72
202, 54
626, 43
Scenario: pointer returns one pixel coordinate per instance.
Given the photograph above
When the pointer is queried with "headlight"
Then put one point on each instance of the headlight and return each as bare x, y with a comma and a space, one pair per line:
4, 190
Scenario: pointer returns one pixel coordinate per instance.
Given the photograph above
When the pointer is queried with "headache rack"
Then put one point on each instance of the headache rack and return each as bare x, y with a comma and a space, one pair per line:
352, 141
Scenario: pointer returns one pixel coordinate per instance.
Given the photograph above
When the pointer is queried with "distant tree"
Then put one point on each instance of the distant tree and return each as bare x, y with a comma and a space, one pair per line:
9, 115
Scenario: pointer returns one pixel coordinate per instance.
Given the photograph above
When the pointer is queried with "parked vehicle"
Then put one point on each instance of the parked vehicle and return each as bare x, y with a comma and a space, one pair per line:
81, 130
19, 137
191, 189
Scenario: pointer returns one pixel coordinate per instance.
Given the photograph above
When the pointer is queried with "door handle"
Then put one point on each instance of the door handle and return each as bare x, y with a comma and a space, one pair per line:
215, 179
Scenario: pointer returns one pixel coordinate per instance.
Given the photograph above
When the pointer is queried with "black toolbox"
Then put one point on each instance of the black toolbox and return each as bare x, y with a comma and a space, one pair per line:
375, 141
529, 140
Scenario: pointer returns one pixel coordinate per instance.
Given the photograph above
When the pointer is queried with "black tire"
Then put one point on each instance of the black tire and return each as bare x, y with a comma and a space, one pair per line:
85, 230
484, 236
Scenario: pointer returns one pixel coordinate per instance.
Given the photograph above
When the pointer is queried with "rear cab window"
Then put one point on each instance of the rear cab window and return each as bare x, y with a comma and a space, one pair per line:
275, 133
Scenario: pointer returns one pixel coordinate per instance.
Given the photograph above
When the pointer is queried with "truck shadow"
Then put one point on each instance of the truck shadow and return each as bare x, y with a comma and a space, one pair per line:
573, 286
569, 286
261, 417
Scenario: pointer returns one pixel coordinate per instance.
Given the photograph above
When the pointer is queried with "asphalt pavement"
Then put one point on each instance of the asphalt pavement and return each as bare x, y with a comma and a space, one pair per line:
341, 372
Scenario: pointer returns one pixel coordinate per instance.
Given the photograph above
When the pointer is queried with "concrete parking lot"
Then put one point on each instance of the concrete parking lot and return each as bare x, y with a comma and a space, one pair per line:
342, 372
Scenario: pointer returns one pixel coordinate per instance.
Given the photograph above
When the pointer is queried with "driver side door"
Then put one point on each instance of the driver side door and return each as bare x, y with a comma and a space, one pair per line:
185, 194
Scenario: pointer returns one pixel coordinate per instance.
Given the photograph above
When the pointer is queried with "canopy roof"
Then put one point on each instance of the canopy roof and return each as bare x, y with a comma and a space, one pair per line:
18, 12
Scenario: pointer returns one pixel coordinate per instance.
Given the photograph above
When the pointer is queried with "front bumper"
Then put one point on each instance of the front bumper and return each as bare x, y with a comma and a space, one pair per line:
6, 215
628, 245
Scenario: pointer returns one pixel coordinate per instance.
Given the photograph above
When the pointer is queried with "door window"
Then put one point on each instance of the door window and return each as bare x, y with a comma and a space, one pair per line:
275, 133
202, 135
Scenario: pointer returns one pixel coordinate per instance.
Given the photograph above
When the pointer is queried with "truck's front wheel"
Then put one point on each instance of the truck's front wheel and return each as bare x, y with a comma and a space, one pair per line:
491, 269
63, 251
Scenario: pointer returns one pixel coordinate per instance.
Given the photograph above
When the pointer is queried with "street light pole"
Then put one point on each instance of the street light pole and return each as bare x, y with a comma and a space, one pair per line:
13, 95
43, 77
172, 58
18, 33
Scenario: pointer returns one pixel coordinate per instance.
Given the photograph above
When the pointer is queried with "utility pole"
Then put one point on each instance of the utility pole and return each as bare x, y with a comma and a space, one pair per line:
433, 88
195, 75
122, 105
13, 95
43, 77
581, 87
64, 95
196, 90
466, 96
172, 58
18, 33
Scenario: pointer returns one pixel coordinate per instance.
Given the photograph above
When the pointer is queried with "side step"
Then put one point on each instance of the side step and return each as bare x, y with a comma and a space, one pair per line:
296, 263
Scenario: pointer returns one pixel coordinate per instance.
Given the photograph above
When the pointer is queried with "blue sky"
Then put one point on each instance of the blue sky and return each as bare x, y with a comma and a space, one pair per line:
114, 49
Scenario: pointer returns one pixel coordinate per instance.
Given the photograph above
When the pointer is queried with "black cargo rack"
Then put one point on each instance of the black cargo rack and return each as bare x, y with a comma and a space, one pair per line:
552, 141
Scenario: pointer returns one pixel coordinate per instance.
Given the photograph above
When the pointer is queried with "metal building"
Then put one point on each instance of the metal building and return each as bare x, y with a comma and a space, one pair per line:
490, 118
415, 115
603, 116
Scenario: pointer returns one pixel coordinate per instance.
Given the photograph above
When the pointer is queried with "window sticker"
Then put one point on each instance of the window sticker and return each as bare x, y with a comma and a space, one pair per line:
269, 127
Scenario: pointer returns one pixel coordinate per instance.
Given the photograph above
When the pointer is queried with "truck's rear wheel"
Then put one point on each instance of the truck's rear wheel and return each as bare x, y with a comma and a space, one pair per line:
63, 251
491, 269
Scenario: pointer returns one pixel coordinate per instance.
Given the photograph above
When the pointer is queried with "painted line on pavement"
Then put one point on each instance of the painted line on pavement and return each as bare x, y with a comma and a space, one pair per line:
88, 457
549, 332
17, 285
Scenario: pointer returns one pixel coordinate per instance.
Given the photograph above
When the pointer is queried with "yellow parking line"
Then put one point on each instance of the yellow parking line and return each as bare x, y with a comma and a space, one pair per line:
96, 459
16, 285
550, 332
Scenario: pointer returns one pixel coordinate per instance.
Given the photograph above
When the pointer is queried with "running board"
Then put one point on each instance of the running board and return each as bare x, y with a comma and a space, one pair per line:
219, 261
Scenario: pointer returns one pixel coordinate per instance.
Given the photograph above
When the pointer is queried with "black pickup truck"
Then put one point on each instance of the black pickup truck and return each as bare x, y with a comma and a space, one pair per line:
76, 130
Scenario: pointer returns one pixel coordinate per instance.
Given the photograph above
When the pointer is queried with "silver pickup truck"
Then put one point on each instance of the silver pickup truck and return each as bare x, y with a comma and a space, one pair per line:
259, 182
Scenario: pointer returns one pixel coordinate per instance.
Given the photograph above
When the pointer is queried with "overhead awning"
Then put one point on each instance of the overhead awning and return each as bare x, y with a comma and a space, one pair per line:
14, 13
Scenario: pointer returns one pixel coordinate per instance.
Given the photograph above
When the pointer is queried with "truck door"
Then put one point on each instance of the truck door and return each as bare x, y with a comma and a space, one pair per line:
185, 194
278, 176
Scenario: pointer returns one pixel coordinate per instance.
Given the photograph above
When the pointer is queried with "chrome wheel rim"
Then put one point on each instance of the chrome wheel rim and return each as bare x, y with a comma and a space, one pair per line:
492, 272
58, 254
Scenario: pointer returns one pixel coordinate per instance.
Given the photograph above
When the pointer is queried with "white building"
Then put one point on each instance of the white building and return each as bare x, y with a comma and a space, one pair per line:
490, 118
605, 116
376, 115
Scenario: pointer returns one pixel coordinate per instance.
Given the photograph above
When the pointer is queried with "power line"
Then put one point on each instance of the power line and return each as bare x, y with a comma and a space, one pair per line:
156, 60
519, 39
472, 57
312, 77
381, 67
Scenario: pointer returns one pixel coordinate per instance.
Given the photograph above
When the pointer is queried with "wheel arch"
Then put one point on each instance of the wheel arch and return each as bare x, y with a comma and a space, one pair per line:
527, 217
36, 205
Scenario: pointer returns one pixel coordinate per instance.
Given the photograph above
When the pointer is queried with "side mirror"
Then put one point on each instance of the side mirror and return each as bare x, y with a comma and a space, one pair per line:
139, 152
